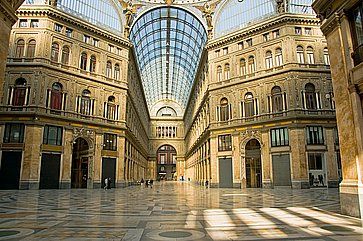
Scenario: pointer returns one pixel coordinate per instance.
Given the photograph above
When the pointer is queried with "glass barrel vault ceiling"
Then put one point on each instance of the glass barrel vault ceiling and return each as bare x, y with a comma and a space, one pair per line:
168, 42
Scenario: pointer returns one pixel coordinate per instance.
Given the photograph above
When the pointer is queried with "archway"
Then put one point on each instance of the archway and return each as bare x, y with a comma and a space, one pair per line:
80, 163
253, 164
166, 163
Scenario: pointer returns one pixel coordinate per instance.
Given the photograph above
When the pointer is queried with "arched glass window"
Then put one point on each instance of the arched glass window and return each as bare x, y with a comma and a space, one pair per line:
83, 64
20, 45
310, 55
219, 73
111, 108
310, 97
300, 55
278, 57
268, 60
224, 110
249, 105
251, 64
117, 72
277, 101
54, 56
65, 55
242, 67
56, 96
92, 66
30, 52
227, 71
20, 92
109, 69
326, 57
85, 107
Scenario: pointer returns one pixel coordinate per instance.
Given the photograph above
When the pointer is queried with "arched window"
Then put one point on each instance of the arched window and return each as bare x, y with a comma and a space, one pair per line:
249, 105
55, 52
300, 55
242, 67
20, 45
326, 57
277, 99
224, 110
20, 92
251, 64
219, 73
268, 60
278, 57
65, 55
226, 71
56, 96
30, 52
85, 107
92, 66
310, 97
109, 69
310, 55
117, 72
83, 64
111, 108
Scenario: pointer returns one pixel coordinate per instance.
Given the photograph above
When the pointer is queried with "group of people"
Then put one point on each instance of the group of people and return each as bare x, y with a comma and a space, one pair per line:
148, 183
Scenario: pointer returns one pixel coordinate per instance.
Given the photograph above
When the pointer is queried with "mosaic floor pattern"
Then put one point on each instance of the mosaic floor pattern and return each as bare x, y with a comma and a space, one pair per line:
175, 211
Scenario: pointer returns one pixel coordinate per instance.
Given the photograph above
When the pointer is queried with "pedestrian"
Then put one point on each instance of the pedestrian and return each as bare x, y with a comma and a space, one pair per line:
106, 183
142, 182
147, 183
109, 183
151, 183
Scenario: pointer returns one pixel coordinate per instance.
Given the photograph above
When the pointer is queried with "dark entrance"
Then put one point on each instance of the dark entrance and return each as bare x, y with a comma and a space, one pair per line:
166, 159
281, 170
80, 163
10, 170
109, 170
225, 172
253, 164
49, 172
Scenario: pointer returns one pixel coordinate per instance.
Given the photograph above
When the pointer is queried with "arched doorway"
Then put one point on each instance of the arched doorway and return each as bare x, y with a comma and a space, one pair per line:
80, 163
253, 164
166, 159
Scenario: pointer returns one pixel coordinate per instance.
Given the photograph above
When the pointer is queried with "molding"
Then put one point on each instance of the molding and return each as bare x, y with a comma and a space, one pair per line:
8, 11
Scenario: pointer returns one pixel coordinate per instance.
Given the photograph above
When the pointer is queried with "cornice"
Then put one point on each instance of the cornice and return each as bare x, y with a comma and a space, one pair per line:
8, 11
259, 28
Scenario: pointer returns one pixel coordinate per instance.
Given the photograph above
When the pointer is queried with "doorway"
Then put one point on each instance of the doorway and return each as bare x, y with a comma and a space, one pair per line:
49, 171
281, 170
80, 163
225, 173
10, 169
108, 171
166, 159
253, 164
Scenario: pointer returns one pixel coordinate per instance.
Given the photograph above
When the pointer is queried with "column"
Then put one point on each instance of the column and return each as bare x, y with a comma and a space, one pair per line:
330, 159
299, 167
97, 162
120, 165
236, 157
266, 161
66, 165
214, 182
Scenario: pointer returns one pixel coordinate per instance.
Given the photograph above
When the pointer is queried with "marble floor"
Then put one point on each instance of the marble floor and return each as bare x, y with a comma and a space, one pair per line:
175, 211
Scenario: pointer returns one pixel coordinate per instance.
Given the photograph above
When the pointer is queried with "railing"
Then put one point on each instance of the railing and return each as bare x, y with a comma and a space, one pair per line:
357, 55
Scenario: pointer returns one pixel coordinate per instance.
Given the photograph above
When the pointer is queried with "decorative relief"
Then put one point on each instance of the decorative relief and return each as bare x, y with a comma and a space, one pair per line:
87, 134
248, 135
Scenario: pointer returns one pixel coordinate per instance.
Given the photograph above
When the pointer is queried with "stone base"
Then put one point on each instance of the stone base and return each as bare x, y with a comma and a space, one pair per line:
300, 184
349, 199
333, 184
267, 184
237, 185
25, 185
96, 185
214, 185
65, 185
120, 184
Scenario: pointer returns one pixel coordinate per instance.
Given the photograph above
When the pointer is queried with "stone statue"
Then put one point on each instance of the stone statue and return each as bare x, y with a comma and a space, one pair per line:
129, 10
208, 10
280, 6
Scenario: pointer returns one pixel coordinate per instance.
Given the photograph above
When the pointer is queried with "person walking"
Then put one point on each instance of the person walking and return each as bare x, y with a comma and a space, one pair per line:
106, 184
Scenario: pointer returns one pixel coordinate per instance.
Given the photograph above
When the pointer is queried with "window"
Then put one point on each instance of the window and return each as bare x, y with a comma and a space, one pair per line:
251, 64
20, 45
20, 93
14, 133
111, 108
249, 105
30, 52
310, 97
226, 71
23, 23
109, 69
326, 57
56, 96
278, 57
219, 73
308, 31
34, 23
225, 143
85, 107
300, 54
119, 51
356, 22
310, 55
268, 60
276, 33
110, 48
225, 51
242, 67
55, 52
109, 142
277, 99
83, 64
53, 135
95, 42
240, 46
117, 72
69, 32
266, 37
58, 27
298, 31
218, 53
314, 135
86, 38
249, 42
92, 67
315, 161
224, 110
279, 137
65, 55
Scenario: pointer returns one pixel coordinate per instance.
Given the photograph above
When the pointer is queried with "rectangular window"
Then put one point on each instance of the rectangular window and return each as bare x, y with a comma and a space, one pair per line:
308, 31
86, 38
315, 161
118, 51
249, 42
218, 53
23, 23
95, 42
14, 133
110, 142
58, 27
225, 143
240, 46
266, 37
279, 137
34, 23
314, 135
276, 33
298, 31
110, 48
225, 51
69, 32
53, 135
356, 22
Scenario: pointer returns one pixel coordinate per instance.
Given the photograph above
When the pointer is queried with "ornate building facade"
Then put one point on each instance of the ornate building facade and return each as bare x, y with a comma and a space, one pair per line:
202, 91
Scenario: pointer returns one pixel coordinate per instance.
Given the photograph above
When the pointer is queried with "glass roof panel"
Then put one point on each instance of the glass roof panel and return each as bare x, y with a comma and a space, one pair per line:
168, 52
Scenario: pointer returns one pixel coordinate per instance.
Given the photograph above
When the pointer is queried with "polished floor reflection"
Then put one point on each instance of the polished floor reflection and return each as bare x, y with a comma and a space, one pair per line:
175, 211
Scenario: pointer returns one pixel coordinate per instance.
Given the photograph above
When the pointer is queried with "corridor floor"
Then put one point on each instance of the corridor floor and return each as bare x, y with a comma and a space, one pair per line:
175, 211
